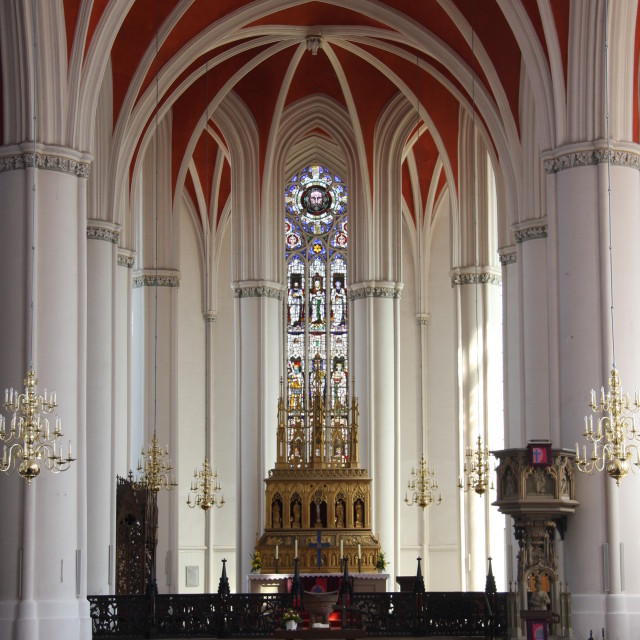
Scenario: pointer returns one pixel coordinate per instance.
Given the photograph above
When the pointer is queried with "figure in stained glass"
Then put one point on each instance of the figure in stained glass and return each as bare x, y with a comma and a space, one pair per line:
295, 299
339, 381
295, 384
338, 303
317, 302
316, 200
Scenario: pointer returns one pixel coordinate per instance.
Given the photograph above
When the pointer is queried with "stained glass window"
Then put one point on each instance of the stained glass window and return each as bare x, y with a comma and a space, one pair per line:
316, 308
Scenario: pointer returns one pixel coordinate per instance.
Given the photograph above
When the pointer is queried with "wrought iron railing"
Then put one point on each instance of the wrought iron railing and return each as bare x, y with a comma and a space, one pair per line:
259, 615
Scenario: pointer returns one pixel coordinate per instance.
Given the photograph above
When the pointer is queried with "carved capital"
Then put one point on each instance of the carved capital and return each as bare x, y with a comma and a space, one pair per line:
153, 278
22, 159
99, 230
531, 232
569, 158
258, 289
373, 289
471, 276
126, 260
507, 255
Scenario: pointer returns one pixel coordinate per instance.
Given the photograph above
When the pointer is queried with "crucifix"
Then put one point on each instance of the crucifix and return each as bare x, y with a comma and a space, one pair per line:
319, 545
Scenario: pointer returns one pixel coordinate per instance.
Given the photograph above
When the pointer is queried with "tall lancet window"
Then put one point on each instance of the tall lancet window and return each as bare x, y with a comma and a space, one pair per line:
316, 310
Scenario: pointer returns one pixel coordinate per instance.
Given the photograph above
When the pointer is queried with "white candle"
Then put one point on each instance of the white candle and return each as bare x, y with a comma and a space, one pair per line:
295, 554
359, 552
341, 549
276, 552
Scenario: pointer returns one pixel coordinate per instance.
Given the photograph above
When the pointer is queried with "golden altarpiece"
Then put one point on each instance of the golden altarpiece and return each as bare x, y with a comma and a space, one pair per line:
318, 498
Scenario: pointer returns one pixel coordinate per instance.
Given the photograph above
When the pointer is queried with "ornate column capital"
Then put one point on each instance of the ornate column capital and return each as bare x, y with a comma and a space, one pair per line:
126, 258
103, 230
47, 157
423, 319
508, 255
258, 289
210, 317
159, 277
624, 154
471, 275
531, 230
375, 289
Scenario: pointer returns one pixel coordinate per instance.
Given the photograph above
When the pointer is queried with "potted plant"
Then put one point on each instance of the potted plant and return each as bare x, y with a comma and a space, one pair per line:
256, 562
291, 618
381, 562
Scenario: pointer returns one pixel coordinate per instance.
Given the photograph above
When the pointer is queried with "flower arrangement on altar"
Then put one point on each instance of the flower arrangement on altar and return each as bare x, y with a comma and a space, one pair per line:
291, 615
256, 562
291, 618
381, 562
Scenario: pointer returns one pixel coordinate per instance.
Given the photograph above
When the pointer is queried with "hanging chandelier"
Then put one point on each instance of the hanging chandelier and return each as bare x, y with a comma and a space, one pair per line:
422, 486
613, 439
155, 468
477, 469
30, 443
207, 489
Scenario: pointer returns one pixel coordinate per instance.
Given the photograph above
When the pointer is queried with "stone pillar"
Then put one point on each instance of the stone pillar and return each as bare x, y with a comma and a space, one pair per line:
597, 564
210, 450
102, 239
473, 301
124, 454
532, 248
43, 526
511, 336
158, 290
375, 342
258, 317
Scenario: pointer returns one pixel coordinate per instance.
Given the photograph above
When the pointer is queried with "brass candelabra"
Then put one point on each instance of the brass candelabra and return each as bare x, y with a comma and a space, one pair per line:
155, 468
613, 439
422, 487
207, 489
477, 470
29, 438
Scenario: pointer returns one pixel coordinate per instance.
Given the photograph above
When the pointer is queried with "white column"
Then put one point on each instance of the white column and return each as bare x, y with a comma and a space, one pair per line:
512, 385
477, 365
102, 241
44, 525
470, 402
375, 344
605, 590
512, 353
124, 454
258, 317
532, 245
157, 295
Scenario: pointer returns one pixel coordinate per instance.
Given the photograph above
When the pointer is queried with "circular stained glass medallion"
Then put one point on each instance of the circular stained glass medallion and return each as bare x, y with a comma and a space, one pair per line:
316, 200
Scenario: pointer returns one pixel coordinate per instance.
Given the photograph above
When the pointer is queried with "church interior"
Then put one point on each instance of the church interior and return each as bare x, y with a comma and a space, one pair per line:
339, 276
